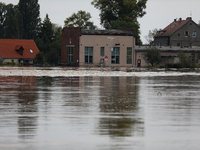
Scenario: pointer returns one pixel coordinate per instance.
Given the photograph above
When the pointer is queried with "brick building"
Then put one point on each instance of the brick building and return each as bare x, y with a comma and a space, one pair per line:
81, 47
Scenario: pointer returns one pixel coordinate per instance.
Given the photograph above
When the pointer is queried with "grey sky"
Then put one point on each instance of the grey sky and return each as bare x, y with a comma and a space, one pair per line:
159, 12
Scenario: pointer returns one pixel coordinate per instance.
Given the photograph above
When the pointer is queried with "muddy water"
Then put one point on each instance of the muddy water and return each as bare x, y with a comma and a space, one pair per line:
97, 113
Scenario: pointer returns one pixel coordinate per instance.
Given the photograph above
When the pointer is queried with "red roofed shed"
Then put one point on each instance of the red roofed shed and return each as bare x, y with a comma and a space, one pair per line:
15, 50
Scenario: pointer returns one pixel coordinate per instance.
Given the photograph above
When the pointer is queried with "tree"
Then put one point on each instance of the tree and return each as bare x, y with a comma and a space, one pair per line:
122, 12
152, 56
30, 10
126, 10
80, 19
49, 40
45, 35
3, 12
150, 37
13, 22
187, 61
134, 25
39, 58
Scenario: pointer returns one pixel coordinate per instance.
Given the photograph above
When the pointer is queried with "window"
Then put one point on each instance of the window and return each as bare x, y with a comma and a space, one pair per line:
102, 51
129, 55
186, 33
194, 34
115, 55
88, 54
70, 54
31, 51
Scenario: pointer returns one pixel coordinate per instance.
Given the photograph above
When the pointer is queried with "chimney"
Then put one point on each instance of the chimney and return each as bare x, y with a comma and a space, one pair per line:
189, 18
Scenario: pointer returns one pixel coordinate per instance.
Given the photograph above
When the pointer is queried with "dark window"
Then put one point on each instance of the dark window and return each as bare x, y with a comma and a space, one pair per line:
88, 54
129, 55
186, 33
102, 51
70, 54
115, 55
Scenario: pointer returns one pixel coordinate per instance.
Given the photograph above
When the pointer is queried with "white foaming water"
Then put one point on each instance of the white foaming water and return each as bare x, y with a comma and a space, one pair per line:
56, 72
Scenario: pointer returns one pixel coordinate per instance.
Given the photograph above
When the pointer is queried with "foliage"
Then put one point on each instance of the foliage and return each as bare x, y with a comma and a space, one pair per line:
152, 56
124, 13
13, 22
131, 25
3, 12
126, 10
30, 10
187, 61
49, 41
39, 58
150, 37
80, 19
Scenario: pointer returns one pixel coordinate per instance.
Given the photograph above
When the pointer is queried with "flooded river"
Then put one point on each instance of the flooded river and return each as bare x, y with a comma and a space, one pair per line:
78, 112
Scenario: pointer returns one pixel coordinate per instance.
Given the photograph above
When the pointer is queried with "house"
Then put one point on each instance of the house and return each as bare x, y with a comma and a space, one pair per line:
91, 48
182, 33
17, 51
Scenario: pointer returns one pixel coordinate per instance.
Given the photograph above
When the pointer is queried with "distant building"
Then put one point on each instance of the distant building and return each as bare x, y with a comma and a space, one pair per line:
183, 33
169, 54
16, 51
83, 48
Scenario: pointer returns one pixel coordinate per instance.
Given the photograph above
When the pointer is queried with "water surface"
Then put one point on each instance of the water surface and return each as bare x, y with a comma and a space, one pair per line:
106, 112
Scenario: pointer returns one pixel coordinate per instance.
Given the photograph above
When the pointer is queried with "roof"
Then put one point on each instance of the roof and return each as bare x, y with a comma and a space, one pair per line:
106, 32
172, 27
9, 48
167, 48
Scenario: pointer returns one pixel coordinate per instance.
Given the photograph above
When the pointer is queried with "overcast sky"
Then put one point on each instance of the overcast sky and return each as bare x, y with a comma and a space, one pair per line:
159, 12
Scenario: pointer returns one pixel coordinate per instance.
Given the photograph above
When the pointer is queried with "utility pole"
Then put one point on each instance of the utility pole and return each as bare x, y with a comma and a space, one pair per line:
110, 38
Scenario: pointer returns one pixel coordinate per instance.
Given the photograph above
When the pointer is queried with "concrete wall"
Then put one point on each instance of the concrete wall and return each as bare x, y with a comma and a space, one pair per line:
98, 41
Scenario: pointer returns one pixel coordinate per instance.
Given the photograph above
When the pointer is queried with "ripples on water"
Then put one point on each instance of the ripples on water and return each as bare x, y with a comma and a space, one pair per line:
99, 112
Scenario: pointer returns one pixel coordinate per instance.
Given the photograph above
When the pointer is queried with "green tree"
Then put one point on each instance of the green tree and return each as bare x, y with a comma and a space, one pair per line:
49, 41
187, 61
152, 56
80, 19
13, 22
30, 10
39, 58
126, 10
3, 12
45, 35
134, 25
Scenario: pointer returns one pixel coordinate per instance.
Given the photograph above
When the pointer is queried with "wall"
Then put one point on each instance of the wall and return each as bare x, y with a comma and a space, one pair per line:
179, 35
70, 37
97, 41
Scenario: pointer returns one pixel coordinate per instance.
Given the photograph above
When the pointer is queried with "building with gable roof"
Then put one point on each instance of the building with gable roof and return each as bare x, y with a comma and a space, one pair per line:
17, 50
183, 33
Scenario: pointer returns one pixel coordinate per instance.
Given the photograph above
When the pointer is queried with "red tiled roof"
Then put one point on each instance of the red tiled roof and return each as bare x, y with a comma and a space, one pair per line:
172, 27
9, 47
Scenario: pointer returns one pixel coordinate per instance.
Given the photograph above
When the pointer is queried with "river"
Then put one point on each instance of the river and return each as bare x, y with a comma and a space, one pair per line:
45, 110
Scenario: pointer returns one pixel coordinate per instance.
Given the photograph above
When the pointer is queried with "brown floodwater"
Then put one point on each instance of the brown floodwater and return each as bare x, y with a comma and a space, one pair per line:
97, 113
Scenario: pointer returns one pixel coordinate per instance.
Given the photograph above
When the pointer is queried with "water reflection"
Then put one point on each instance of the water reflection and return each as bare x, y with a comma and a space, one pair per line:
119, 101
99, 112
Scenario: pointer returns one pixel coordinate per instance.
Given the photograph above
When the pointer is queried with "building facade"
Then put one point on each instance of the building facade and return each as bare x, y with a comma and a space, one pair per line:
91, 48
183, 33
169, 54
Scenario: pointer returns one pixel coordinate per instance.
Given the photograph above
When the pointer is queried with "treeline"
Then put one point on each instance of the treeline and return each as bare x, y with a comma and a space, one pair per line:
22, 21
